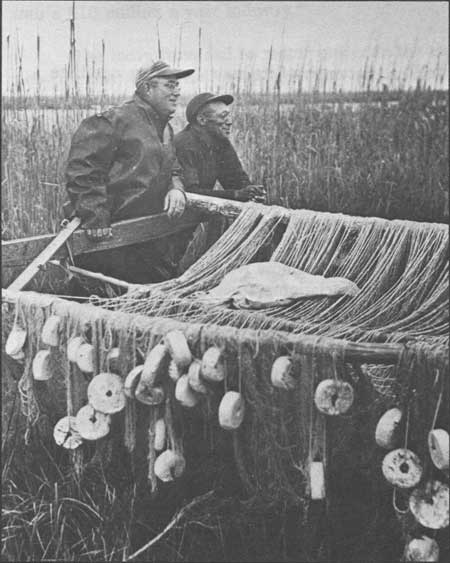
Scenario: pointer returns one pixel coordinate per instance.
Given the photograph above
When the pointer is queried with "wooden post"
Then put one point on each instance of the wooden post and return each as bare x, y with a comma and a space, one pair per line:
61, 238
96, 276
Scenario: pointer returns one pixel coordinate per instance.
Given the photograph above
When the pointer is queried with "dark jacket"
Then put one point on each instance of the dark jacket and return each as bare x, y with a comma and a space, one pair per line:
206, 159
120, 164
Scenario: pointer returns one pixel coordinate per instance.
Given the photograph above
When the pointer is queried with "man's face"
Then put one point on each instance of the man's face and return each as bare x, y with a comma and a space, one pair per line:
163, 94
216, 118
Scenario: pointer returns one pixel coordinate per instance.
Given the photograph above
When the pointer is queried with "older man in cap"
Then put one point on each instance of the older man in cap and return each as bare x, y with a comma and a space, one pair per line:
207, 157
121, 165
206, 154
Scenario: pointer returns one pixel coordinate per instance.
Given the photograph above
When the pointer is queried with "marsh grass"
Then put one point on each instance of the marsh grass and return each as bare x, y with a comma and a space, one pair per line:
380, 150
366, 158
48, 516
369, 159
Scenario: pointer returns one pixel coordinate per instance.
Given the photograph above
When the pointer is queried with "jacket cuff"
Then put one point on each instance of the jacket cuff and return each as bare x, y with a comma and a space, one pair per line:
100, 220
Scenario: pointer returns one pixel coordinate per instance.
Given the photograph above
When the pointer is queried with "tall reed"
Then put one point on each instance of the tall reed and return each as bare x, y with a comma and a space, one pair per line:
379, 150
383, 155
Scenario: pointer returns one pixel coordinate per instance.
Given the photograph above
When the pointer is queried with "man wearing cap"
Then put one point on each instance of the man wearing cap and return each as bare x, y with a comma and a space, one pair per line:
121, 165
206, 155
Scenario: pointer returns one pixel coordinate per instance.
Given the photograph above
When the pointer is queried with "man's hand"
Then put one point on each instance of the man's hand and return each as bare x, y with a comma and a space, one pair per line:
96, 235
253, 192
175, 203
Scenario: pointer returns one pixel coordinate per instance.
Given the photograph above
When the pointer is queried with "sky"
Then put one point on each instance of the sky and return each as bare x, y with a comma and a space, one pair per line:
336, 36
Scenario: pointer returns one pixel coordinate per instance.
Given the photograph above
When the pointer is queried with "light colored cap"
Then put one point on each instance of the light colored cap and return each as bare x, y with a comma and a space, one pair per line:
160, 68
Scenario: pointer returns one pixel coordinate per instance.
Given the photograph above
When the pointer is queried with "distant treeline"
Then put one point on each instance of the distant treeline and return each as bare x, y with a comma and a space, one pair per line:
427, 95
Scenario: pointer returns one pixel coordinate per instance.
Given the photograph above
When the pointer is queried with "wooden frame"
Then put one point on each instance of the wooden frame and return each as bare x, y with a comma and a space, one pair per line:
360, 352
21, 252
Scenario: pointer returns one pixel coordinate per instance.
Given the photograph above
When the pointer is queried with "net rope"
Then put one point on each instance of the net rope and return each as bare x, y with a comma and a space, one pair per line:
401, 268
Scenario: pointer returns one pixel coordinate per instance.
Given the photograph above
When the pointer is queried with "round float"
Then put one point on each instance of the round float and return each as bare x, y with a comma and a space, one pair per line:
213, 368
429, 505
66, 433
15, 342
178, 348
85, 357
386, 432
50, 331
438, 446
231, 410
105, 393
91, 424
132, 380
41, 367
169, 465
195, 379
422, 549
281, 373
72, 347
184, 394
402, 468
333, 396
154, 362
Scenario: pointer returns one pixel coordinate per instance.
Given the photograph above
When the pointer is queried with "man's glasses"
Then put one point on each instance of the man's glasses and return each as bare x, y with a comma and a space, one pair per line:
172, 86
224, 115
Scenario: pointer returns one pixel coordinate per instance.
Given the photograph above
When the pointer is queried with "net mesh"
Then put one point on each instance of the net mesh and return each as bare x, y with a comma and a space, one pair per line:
400, 267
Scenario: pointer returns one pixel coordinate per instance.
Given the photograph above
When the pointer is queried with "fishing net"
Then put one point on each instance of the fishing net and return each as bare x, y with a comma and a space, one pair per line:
401, 269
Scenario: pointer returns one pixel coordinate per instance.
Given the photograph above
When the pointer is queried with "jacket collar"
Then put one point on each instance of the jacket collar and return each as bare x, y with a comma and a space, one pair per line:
152, 115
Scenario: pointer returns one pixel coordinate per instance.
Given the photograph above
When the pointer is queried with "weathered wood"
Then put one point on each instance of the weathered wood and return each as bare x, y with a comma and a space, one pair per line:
208, 205
60, 239
22, 251
217, 206
360, 352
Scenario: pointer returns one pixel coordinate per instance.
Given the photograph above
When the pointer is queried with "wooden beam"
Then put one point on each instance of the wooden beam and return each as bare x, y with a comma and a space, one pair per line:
208, 205
21, 252
43, 257
218, 206
360, 352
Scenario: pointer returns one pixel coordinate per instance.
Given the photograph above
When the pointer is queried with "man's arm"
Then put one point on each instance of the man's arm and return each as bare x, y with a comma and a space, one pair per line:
188, 161
89, 162
175, 200
232, 176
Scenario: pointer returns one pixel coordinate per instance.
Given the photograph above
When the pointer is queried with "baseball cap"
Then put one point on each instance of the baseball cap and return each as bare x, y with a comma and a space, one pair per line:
160, 68
199, 101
